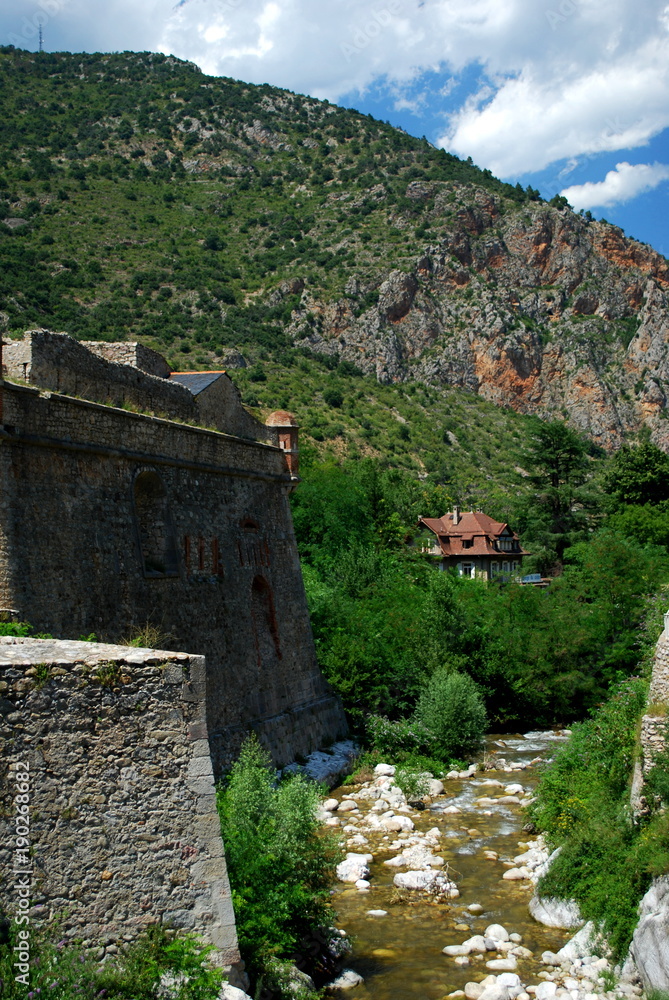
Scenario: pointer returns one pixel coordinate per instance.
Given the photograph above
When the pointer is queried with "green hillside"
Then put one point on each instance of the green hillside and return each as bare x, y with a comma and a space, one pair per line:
147, 201
163, 203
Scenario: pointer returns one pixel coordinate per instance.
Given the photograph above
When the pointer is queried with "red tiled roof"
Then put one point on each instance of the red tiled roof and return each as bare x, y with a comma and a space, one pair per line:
475, 527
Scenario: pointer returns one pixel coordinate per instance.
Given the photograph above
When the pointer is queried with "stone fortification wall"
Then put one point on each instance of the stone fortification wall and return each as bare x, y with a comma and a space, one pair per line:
653, 723
111, 519
131, 353
55, 361
659, 685
122, 813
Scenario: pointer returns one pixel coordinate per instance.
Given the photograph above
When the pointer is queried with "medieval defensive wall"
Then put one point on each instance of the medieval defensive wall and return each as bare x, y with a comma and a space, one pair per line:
133, 495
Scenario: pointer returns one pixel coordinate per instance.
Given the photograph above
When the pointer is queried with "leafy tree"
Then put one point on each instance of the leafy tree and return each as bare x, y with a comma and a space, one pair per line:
638, 475
557, 513
646, 524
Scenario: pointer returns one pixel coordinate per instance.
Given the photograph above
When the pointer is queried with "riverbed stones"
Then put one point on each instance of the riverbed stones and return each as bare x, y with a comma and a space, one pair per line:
545, 991
561, 913
473, 990
496, 932
476, 943
397, 823
550, 958
331, 805
354, 867
571, 978
507, 964
348, 805
495, 992
347, 980
416, 857
452, 950
516, 874
434, 883
384, 770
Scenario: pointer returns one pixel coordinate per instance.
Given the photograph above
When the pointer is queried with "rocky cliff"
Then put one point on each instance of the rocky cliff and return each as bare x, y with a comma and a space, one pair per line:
537, 309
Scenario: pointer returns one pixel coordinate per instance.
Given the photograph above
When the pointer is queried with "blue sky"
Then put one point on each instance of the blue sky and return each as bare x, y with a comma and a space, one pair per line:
570, 96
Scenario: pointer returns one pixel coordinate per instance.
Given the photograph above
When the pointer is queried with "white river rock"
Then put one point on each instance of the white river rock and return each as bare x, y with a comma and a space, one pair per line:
563, 913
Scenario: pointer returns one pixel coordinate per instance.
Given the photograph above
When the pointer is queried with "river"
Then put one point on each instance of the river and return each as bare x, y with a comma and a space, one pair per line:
400, 955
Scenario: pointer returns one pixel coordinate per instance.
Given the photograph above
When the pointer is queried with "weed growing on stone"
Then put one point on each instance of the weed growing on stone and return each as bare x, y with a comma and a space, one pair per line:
42, 675
108, 674
148, 636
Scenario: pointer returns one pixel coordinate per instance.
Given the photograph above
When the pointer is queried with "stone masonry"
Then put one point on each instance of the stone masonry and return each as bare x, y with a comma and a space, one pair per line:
123, 824
111, 519
653, 723
57, 362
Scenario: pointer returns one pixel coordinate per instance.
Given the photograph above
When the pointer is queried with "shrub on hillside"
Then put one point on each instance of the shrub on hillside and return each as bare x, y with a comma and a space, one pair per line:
280, 869
451, 706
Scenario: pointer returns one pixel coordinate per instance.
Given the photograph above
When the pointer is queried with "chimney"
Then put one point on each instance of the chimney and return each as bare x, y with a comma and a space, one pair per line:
456, 516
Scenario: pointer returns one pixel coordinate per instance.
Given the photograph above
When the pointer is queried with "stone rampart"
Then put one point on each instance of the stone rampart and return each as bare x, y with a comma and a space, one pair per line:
111, 519
55, 361
659, 685
123, 824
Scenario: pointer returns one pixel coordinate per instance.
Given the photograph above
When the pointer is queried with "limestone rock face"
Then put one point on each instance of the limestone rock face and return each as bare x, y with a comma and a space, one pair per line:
555, 912
539, 310
650, 944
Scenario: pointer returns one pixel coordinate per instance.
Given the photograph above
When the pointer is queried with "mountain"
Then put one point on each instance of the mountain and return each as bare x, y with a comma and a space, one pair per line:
226, 223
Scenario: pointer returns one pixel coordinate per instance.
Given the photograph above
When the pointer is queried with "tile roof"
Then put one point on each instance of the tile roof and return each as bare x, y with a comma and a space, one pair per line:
196, 381
479, 531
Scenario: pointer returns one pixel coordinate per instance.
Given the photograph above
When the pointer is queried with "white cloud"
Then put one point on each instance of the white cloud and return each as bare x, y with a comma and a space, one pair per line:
625, 182
563, 78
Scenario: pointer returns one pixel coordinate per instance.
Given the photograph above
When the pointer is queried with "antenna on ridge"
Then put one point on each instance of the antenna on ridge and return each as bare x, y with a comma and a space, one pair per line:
41, 39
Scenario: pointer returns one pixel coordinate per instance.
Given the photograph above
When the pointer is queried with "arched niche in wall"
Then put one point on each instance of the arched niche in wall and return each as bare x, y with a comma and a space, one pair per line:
265, 628
155, 533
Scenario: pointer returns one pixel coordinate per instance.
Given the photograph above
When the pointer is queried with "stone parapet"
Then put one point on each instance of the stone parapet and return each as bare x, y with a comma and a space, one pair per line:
131, 353
57, 362
124, 830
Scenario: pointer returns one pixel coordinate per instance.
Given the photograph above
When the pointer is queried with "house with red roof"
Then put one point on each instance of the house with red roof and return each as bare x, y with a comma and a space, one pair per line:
473, 544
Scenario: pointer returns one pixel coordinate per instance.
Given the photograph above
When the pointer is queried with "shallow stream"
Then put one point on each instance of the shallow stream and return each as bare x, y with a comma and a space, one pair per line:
400, 955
